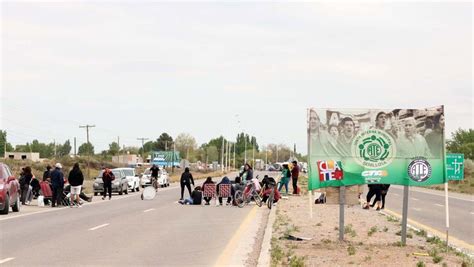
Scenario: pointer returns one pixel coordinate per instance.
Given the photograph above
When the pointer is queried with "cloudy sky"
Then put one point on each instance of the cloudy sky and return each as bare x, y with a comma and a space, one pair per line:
138, 69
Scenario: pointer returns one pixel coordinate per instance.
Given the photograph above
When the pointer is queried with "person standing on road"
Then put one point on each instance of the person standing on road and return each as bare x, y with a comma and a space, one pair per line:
186, 180
154, 170
107, 177
47, 173
285, 178
57, 182
295, 173
75, 178
25, 184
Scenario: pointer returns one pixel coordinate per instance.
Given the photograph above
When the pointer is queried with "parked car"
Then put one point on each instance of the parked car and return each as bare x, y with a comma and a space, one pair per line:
132, 179
163, 178
9, 190
119, 185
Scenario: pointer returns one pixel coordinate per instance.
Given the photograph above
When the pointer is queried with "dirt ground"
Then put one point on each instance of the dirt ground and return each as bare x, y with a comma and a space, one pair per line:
371, 239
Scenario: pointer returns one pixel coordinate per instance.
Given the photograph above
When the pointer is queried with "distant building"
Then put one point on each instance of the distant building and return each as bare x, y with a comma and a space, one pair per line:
33, 156
131, 159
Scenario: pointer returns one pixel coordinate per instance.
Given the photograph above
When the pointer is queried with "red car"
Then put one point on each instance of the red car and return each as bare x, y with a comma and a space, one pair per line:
9, 190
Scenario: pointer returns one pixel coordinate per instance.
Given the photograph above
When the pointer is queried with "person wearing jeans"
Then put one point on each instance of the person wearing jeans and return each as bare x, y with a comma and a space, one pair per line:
285, 178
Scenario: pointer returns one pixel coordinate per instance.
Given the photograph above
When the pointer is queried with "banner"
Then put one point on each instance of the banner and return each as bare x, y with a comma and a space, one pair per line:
399, 146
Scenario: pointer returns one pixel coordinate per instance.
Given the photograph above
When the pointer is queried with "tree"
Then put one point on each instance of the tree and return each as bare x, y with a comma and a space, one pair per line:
86, 149
114, 148
462, 142
185, 144
212, 154
4, 144
64, 150
164, 142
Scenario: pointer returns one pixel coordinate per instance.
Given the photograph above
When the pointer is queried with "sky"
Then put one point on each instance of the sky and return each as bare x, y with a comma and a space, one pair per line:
137, 69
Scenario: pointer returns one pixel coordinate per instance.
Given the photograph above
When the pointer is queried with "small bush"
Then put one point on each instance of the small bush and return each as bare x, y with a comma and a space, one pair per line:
372, 230
385, 229
351, 250
420, 264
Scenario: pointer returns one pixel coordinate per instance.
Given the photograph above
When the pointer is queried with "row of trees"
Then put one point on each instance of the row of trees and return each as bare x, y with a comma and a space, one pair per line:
184, 143
462, 141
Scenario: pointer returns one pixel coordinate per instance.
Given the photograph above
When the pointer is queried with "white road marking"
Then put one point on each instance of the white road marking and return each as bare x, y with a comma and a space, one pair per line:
417, 209
415, 199
97, 227
439, 205
6, 260
148, 210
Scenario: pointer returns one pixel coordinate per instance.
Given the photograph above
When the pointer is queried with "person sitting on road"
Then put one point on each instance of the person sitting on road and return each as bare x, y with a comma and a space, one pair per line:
247, 174
208, 181
224, 180
269, 185
195, 199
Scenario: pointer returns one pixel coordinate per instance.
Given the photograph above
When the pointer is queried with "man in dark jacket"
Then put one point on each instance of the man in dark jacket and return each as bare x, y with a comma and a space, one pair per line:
186, 180
57, 183
107, 177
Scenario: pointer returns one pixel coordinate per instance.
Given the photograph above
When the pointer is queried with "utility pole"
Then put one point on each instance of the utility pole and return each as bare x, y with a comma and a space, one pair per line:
54, 141
75, 154
245, 151
87, 126
222, 153
143, 149
234, 155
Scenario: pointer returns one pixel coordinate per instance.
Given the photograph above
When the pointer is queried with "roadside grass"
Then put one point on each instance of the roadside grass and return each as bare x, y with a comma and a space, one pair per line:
372, 230
350, 230
351, 250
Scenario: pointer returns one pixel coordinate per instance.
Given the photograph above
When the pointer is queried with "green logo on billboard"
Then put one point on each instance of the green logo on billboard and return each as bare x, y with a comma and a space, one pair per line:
373, 148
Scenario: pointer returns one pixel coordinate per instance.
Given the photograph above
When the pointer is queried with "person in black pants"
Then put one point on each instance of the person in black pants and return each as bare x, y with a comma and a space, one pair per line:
374, 189
57, 182
107, 177
25, 184
154, 173
186, 180
383, 193
295, 172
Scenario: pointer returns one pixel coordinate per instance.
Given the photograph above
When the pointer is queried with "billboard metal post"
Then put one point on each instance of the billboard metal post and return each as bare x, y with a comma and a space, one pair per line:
405, 215
342, 191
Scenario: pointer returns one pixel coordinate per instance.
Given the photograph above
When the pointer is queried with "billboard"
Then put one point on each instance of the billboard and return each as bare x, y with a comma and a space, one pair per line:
363, 146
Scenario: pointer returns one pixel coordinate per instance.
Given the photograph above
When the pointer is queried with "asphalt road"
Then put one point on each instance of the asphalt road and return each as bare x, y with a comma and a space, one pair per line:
428, 207
123, 231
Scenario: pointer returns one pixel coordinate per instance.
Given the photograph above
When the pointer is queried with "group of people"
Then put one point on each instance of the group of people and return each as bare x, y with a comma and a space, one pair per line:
53, 186
245, 177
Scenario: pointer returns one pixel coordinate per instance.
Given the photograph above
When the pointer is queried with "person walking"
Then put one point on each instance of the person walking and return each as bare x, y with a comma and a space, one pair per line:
186, 180
57, 182
295, 173
374, 190
76, 179
107, 177
285, 178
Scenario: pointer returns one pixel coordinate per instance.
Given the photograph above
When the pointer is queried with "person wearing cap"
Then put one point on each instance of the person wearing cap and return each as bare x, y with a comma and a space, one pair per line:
57, 182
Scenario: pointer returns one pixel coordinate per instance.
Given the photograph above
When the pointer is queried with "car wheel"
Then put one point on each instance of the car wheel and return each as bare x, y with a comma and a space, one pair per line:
16, 207
120, 192
126, 190
138, 189
133, 189
95, 193
7, 205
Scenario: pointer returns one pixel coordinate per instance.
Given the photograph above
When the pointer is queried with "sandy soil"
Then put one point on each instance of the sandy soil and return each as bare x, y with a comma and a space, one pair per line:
371, 239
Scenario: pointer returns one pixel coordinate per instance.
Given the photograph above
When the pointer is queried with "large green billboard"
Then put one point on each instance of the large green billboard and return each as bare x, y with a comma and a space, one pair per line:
398, 146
